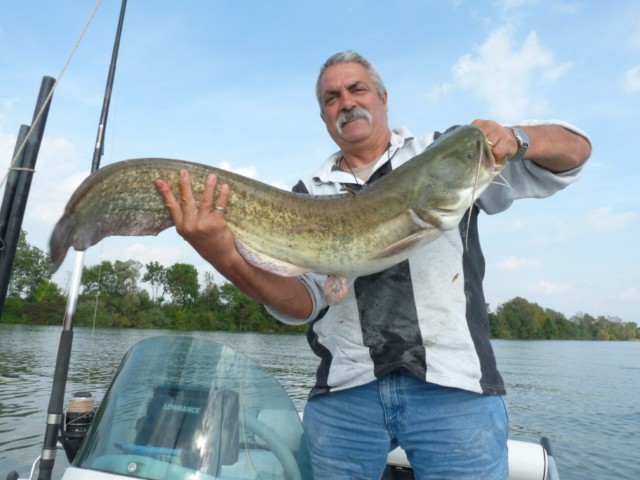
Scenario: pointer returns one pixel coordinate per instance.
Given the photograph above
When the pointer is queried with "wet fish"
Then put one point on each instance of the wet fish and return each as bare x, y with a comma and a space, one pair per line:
347, 235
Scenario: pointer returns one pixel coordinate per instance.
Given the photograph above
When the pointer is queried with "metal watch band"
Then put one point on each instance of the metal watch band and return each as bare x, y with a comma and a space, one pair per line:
523, 142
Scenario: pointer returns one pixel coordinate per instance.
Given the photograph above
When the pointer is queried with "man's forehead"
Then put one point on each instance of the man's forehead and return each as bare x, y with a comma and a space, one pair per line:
344, 74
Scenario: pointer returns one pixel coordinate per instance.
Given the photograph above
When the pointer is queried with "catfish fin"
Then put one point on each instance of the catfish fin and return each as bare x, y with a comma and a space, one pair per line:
270, 264
403, 245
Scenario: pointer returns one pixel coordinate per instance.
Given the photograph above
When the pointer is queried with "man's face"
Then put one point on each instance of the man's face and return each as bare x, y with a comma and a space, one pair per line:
346, 89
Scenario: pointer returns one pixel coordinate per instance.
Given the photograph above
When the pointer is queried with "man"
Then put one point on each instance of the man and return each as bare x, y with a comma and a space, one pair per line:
405, 358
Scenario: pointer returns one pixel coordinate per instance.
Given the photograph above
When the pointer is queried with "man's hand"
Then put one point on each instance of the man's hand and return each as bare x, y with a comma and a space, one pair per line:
202, 224
502, 138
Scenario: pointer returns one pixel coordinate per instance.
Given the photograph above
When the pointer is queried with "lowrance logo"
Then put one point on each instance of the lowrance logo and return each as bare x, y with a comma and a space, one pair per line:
181, 408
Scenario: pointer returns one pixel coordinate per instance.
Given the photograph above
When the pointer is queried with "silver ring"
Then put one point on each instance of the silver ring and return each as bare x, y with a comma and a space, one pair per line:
222, 209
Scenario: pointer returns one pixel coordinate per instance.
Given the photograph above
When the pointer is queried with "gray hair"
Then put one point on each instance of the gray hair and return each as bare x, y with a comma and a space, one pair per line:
349, 56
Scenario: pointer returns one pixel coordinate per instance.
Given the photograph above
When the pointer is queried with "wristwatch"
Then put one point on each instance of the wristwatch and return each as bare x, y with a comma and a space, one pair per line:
523, 142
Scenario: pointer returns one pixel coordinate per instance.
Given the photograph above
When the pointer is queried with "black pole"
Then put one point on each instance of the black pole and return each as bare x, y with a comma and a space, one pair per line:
12, 182
25, 170
56, 401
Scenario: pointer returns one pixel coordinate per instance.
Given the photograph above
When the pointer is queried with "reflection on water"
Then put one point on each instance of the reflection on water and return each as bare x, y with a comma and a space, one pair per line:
583, 395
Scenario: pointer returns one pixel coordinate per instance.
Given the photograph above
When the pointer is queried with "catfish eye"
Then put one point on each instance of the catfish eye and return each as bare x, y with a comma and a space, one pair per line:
470, 154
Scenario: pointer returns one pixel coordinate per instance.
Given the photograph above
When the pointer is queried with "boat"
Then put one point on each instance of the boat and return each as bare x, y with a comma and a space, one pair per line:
187, 408
9, 377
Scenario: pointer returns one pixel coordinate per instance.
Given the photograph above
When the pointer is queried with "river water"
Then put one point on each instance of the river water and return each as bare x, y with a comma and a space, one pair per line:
584, 396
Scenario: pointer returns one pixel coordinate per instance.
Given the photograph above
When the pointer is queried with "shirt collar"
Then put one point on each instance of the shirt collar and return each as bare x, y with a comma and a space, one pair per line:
329, 172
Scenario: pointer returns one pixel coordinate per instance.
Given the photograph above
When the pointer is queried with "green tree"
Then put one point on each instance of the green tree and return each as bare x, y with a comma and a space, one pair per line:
552, 324
93, 311
31, 267
99, 279
498, 327
182, 283
242, 313
523, 320
209, 298
111, 279
127, 275
586, 326
156, 276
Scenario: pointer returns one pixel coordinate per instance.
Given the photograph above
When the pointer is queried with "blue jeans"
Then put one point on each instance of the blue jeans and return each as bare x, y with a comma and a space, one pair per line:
446, 433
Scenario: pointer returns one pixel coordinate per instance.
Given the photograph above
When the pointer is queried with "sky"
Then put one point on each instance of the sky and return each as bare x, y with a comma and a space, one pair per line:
231, 84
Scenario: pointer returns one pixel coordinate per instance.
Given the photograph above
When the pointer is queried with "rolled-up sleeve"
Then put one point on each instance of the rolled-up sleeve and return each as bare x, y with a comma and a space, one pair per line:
314, 282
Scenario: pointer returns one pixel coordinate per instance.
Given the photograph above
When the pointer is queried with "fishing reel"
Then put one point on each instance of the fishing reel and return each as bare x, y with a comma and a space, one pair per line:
77, 420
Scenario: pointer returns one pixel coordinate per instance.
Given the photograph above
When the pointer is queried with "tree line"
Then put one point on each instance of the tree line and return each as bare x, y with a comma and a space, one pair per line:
131, 295
523, 320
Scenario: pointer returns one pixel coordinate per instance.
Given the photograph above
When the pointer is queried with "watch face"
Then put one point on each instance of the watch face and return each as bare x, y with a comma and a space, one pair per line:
523, 139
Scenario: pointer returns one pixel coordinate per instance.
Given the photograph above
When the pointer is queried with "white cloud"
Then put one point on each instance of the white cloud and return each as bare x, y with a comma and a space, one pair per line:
47, 202
514, 263
251, 172
604, 220
549, 288
6, 105
504, 74
282, 185
632, 79
57, 154
439, 91
631, 294
568, 8
163, 253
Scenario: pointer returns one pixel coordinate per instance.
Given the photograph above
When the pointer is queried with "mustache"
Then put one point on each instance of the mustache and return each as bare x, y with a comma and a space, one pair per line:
349, 115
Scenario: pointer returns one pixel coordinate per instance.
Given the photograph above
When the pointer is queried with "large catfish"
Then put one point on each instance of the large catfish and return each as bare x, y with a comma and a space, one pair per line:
349, 235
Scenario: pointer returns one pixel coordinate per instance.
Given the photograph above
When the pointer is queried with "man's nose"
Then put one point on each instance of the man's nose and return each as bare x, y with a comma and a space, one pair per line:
348, 102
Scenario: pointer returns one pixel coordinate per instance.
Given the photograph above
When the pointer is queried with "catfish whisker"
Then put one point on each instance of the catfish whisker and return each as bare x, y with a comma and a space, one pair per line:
473, 194
503, 183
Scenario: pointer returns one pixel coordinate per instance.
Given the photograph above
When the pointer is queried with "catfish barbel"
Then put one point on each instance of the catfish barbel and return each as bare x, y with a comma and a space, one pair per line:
347, 235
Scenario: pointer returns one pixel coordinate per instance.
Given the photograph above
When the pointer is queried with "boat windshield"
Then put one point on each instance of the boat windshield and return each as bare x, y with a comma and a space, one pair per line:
186, 408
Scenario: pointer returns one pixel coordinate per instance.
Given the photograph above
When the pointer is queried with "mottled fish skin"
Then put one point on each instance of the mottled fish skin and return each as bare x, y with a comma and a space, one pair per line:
288, 233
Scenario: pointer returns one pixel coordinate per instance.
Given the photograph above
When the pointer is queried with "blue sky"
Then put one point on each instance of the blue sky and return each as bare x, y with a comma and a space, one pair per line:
231, 84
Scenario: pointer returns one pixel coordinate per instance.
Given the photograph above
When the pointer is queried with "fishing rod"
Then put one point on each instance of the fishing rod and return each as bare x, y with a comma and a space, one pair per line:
56, 400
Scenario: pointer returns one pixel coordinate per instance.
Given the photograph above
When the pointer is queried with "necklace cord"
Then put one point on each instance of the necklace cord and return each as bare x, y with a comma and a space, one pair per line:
355, 177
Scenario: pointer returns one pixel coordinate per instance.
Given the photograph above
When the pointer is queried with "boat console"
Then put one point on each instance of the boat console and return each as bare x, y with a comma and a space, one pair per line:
186, 408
